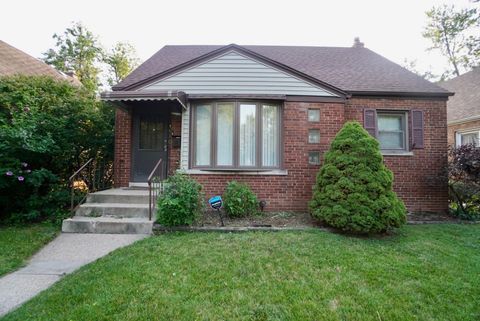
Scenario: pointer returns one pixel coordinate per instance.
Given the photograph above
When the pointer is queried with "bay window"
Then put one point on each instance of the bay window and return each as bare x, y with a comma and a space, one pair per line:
236, 135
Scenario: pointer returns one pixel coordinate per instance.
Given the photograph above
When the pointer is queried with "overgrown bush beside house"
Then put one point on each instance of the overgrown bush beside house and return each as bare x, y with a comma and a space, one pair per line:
181, 202
353, 191
48, 129
239, 200
464, 181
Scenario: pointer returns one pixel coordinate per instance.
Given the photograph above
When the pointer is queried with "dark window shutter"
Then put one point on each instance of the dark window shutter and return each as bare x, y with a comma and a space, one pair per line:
417, 129
370, 121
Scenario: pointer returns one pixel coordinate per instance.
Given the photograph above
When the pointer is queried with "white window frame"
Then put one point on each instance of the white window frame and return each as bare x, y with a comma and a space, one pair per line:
458, 136
404, 114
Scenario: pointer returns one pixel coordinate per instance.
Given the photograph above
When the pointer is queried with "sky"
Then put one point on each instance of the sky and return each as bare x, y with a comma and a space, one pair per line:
390, 28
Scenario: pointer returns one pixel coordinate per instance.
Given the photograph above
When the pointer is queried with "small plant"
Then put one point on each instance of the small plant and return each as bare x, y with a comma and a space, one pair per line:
354, 188
239, 200
181, 201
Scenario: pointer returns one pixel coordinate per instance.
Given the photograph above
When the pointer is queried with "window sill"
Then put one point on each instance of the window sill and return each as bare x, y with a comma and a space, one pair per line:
403, 153
272, 172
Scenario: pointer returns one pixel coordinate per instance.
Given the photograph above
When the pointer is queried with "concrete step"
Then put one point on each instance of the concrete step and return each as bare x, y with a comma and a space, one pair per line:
107, 225
118, 210
119, 195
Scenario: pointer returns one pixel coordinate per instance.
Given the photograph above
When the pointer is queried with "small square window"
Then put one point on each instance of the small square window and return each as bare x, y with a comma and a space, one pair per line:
313, 136
314, 158
314, 115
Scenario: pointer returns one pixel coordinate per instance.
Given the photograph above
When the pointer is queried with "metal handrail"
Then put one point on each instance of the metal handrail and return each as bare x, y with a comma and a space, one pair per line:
72, 195
152, 192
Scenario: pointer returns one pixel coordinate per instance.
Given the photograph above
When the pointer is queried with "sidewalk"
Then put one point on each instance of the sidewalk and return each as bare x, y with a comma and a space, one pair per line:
62, 256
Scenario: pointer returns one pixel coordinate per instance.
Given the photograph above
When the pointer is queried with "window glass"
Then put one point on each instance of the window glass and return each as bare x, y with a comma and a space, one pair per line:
247, 142
314, 158
314, 136
314, 115
391, 131
151, 135
270, 136
225, 115
470, 138
203, 117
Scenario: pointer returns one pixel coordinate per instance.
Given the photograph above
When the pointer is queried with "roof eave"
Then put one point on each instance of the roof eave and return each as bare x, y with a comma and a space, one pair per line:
402, 94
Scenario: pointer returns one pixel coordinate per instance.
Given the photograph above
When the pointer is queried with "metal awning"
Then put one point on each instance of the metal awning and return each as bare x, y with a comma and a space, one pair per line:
122, 96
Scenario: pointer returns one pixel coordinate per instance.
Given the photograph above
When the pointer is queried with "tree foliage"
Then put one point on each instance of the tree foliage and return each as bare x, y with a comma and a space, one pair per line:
353, 191
455, 34
120, 60
53, 127
79, 52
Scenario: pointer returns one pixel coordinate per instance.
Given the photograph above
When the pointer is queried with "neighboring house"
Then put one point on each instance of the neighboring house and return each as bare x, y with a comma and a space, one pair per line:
265, 115
463, 109
15, 62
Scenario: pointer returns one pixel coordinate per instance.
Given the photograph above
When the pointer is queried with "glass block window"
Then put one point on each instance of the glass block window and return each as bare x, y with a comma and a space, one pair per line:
314, 158
314, 115
313, 136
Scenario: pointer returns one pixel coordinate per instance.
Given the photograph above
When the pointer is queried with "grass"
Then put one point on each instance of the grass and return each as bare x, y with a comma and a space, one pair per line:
429, 272
18, 243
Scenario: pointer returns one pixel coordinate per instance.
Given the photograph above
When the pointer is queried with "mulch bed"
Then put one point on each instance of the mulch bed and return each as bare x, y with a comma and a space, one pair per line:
264, 219
278, 221
293, 219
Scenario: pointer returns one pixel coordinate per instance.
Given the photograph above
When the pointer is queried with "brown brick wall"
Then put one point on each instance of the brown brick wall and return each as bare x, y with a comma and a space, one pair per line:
292, 191
414, 175
457, 127
123, 152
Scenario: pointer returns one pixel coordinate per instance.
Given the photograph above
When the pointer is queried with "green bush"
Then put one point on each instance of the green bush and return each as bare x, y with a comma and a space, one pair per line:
181, 201
239, 200
53, 127
353, 191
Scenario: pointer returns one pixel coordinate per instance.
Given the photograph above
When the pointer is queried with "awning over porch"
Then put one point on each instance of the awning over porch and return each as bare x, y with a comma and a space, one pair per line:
124, 96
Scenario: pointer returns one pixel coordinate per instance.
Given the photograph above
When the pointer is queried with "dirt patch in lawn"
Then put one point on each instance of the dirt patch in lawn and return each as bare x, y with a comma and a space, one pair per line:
264, 219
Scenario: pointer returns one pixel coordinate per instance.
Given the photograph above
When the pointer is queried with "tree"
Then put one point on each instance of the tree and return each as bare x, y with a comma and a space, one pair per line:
448, 30
77, 51
411, 65
120, 60
353, 191
54, 128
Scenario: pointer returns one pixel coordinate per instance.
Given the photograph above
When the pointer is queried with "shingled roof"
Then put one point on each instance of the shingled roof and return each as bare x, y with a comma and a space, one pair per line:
355, 70
14, 61
466, 102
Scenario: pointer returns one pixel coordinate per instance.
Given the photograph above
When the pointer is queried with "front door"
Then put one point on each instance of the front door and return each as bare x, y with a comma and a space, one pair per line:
150, 137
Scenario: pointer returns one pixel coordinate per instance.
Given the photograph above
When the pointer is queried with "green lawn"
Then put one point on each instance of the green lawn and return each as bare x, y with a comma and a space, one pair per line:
18, 243
429, 272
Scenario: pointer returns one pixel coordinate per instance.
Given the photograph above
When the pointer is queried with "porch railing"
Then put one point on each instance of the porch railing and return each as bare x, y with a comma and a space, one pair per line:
75, 183
155, 186
92, 176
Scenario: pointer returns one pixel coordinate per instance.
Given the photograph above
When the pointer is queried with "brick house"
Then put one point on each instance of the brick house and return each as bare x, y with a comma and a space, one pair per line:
265, 115
463, 109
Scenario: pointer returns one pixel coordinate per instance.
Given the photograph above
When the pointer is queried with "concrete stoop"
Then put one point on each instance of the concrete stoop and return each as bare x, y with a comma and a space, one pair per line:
114, 211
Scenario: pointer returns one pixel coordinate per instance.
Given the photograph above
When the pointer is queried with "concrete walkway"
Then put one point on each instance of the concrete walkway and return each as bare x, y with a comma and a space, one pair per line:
62, 256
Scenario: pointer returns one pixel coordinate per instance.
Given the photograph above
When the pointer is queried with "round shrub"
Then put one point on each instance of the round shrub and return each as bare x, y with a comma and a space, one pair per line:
239, 200
353, 191
181, 201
